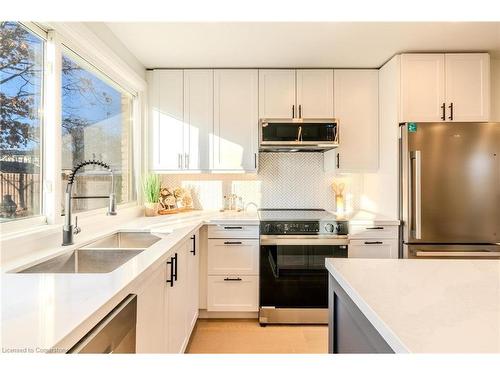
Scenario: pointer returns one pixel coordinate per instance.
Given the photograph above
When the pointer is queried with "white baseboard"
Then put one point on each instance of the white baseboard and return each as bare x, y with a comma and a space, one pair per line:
204, 314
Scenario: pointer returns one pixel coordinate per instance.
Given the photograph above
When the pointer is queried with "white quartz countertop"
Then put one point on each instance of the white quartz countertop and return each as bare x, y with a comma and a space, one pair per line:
46, 311
426, 306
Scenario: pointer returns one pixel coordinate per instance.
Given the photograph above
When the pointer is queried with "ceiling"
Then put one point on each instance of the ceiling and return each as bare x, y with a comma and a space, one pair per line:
289, 44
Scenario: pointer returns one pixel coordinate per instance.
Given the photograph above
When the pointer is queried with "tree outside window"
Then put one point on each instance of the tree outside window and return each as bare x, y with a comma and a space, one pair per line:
21, 77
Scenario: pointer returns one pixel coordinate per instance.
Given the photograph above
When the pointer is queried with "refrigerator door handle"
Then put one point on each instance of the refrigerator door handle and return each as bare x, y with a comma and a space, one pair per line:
417, 182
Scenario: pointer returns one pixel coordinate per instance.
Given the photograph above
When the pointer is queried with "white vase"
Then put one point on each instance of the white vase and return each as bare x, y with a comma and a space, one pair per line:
150, 209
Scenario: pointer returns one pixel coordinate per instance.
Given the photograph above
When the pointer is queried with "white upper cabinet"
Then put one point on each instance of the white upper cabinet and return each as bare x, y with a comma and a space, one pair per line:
277, 93
356, 107
467, 86
314, 93
198, 117
235, 138
289, 93
422, 87
166, 119
445, 87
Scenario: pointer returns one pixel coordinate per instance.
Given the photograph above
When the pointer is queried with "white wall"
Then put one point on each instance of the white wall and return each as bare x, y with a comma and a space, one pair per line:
104, 33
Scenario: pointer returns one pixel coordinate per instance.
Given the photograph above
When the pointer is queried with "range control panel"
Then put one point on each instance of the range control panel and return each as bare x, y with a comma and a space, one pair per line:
304, 227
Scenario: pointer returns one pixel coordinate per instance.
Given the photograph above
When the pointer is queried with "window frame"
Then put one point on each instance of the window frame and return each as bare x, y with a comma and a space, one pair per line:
87, 65
100, 59
40, 218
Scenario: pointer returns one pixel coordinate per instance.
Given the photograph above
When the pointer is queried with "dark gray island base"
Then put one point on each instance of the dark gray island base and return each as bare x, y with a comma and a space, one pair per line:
349, 331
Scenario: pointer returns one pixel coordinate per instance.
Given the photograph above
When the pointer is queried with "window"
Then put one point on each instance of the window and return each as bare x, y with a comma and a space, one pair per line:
21, 77
96, 124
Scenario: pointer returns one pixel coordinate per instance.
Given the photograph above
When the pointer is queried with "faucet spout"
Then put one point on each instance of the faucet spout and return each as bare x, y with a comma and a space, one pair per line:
68, 229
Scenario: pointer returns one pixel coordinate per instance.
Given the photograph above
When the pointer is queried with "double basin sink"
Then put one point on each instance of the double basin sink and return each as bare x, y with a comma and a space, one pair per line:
101, 256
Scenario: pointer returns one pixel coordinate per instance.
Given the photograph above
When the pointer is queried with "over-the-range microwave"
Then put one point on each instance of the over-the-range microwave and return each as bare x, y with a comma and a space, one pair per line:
293, 135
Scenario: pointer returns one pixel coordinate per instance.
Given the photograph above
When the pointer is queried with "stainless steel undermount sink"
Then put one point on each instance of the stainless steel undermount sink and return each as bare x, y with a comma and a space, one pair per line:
84, 261
125, 240
101, 256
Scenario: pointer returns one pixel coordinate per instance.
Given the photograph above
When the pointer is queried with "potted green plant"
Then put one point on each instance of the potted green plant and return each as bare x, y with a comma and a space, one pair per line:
151, 188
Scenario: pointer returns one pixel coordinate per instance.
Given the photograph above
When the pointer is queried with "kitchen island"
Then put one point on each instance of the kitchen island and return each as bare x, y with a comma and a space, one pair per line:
414, 306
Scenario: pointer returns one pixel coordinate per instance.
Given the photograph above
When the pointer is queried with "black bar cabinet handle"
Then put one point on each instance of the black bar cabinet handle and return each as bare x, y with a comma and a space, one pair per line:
293, 111
232, 279
171, 280
233, 227
443, 108
373, 242
338, 160
375, 228
175, 267
232, 242
255, 159
194, 244
451, 111
300, 110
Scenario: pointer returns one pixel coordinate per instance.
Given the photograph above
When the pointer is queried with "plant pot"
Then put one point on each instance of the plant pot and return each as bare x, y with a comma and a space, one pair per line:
151, 209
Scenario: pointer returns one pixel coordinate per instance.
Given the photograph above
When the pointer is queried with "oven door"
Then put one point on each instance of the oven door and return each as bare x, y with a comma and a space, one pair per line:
293, 273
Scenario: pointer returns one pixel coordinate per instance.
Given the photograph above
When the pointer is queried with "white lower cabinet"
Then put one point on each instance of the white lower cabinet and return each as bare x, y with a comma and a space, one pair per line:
177, 302
167, 302
193, 272
375, 248
233, 268
373, 241
233, 256
151, 314
233, 293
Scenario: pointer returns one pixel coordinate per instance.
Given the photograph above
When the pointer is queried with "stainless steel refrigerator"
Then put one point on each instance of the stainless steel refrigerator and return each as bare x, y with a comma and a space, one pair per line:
450, 190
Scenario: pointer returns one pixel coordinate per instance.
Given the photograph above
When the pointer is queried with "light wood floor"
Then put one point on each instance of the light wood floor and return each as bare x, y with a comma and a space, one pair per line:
247, 336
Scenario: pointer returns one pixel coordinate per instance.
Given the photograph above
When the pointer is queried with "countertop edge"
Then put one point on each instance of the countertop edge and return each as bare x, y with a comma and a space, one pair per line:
387, 334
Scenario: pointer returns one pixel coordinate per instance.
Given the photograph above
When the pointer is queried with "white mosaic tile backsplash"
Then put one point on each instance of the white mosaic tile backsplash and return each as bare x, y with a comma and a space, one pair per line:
284, 180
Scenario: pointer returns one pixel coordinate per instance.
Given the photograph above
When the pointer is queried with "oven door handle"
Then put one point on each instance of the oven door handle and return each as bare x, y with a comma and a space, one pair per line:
306, 240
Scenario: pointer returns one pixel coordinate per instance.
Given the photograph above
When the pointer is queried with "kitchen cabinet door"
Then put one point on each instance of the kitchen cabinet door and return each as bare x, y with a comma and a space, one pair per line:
233, 257
233, 293
177, 303
198, 117
277, 93
151, 314
422, 87
166, 120
373, 248
356, 107
315, 93
467, 86
235, 143
193, 271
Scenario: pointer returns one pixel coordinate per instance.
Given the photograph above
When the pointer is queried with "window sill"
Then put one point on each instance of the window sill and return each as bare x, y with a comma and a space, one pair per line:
15, 227
32, 226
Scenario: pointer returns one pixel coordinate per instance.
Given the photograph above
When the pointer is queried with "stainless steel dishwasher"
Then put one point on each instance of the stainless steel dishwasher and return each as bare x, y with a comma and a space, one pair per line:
113, 334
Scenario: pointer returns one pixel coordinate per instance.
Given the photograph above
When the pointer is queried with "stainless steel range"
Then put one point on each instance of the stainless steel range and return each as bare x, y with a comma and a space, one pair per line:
293, 278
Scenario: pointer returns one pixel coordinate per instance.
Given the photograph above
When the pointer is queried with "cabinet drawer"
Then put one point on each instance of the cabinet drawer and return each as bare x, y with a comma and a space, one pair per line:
233, 293
373, 231
233, 257
373, 248
233, 231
